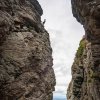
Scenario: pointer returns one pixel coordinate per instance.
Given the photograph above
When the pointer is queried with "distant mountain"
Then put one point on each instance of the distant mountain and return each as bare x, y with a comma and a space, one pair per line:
59, 96
59, 99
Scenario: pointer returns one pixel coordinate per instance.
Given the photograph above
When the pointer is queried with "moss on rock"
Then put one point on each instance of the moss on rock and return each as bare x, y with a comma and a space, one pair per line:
81, 48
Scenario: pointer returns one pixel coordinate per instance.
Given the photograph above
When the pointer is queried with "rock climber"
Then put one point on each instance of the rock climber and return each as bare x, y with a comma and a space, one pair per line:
44, 21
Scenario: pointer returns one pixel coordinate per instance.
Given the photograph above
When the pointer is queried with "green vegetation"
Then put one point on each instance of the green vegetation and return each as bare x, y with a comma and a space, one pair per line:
95, 75
89, 80
81, 48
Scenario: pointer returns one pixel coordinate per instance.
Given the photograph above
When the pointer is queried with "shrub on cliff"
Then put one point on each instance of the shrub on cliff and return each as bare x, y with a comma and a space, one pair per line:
81, 48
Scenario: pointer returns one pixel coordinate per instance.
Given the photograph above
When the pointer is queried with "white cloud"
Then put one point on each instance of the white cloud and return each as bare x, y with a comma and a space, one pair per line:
65, 34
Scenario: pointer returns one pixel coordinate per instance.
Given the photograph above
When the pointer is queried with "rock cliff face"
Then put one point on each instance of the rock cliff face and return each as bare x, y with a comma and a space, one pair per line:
25, 53
85, 84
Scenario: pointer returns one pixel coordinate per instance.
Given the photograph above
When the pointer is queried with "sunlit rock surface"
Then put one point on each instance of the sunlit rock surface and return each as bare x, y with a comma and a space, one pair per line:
26, 71
85, 84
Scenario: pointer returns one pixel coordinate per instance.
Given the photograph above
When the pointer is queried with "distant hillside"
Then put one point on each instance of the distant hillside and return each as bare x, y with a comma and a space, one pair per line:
59, 99
59, 96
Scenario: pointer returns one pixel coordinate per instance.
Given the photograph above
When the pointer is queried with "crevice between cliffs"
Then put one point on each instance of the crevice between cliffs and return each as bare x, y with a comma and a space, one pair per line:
26, 63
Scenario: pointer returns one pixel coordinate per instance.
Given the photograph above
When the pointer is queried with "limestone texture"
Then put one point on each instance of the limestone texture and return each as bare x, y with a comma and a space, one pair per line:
85, 83
26, 71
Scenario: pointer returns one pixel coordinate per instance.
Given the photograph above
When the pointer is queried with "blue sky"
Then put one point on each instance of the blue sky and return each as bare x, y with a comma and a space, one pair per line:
65, 34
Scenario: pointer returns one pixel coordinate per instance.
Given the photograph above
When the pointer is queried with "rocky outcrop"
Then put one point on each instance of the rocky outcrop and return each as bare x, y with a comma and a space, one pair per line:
85, 84
26, 71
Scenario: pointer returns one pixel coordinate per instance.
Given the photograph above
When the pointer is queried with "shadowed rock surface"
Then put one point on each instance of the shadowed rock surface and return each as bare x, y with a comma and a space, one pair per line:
26, 71
85, 84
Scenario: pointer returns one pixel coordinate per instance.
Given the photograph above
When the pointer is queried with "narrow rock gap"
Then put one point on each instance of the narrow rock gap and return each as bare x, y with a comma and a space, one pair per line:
27, 70
65, 34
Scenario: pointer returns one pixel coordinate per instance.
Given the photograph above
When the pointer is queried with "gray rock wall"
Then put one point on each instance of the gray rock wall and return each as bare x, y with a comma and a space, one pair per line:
26, 71
85, 84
